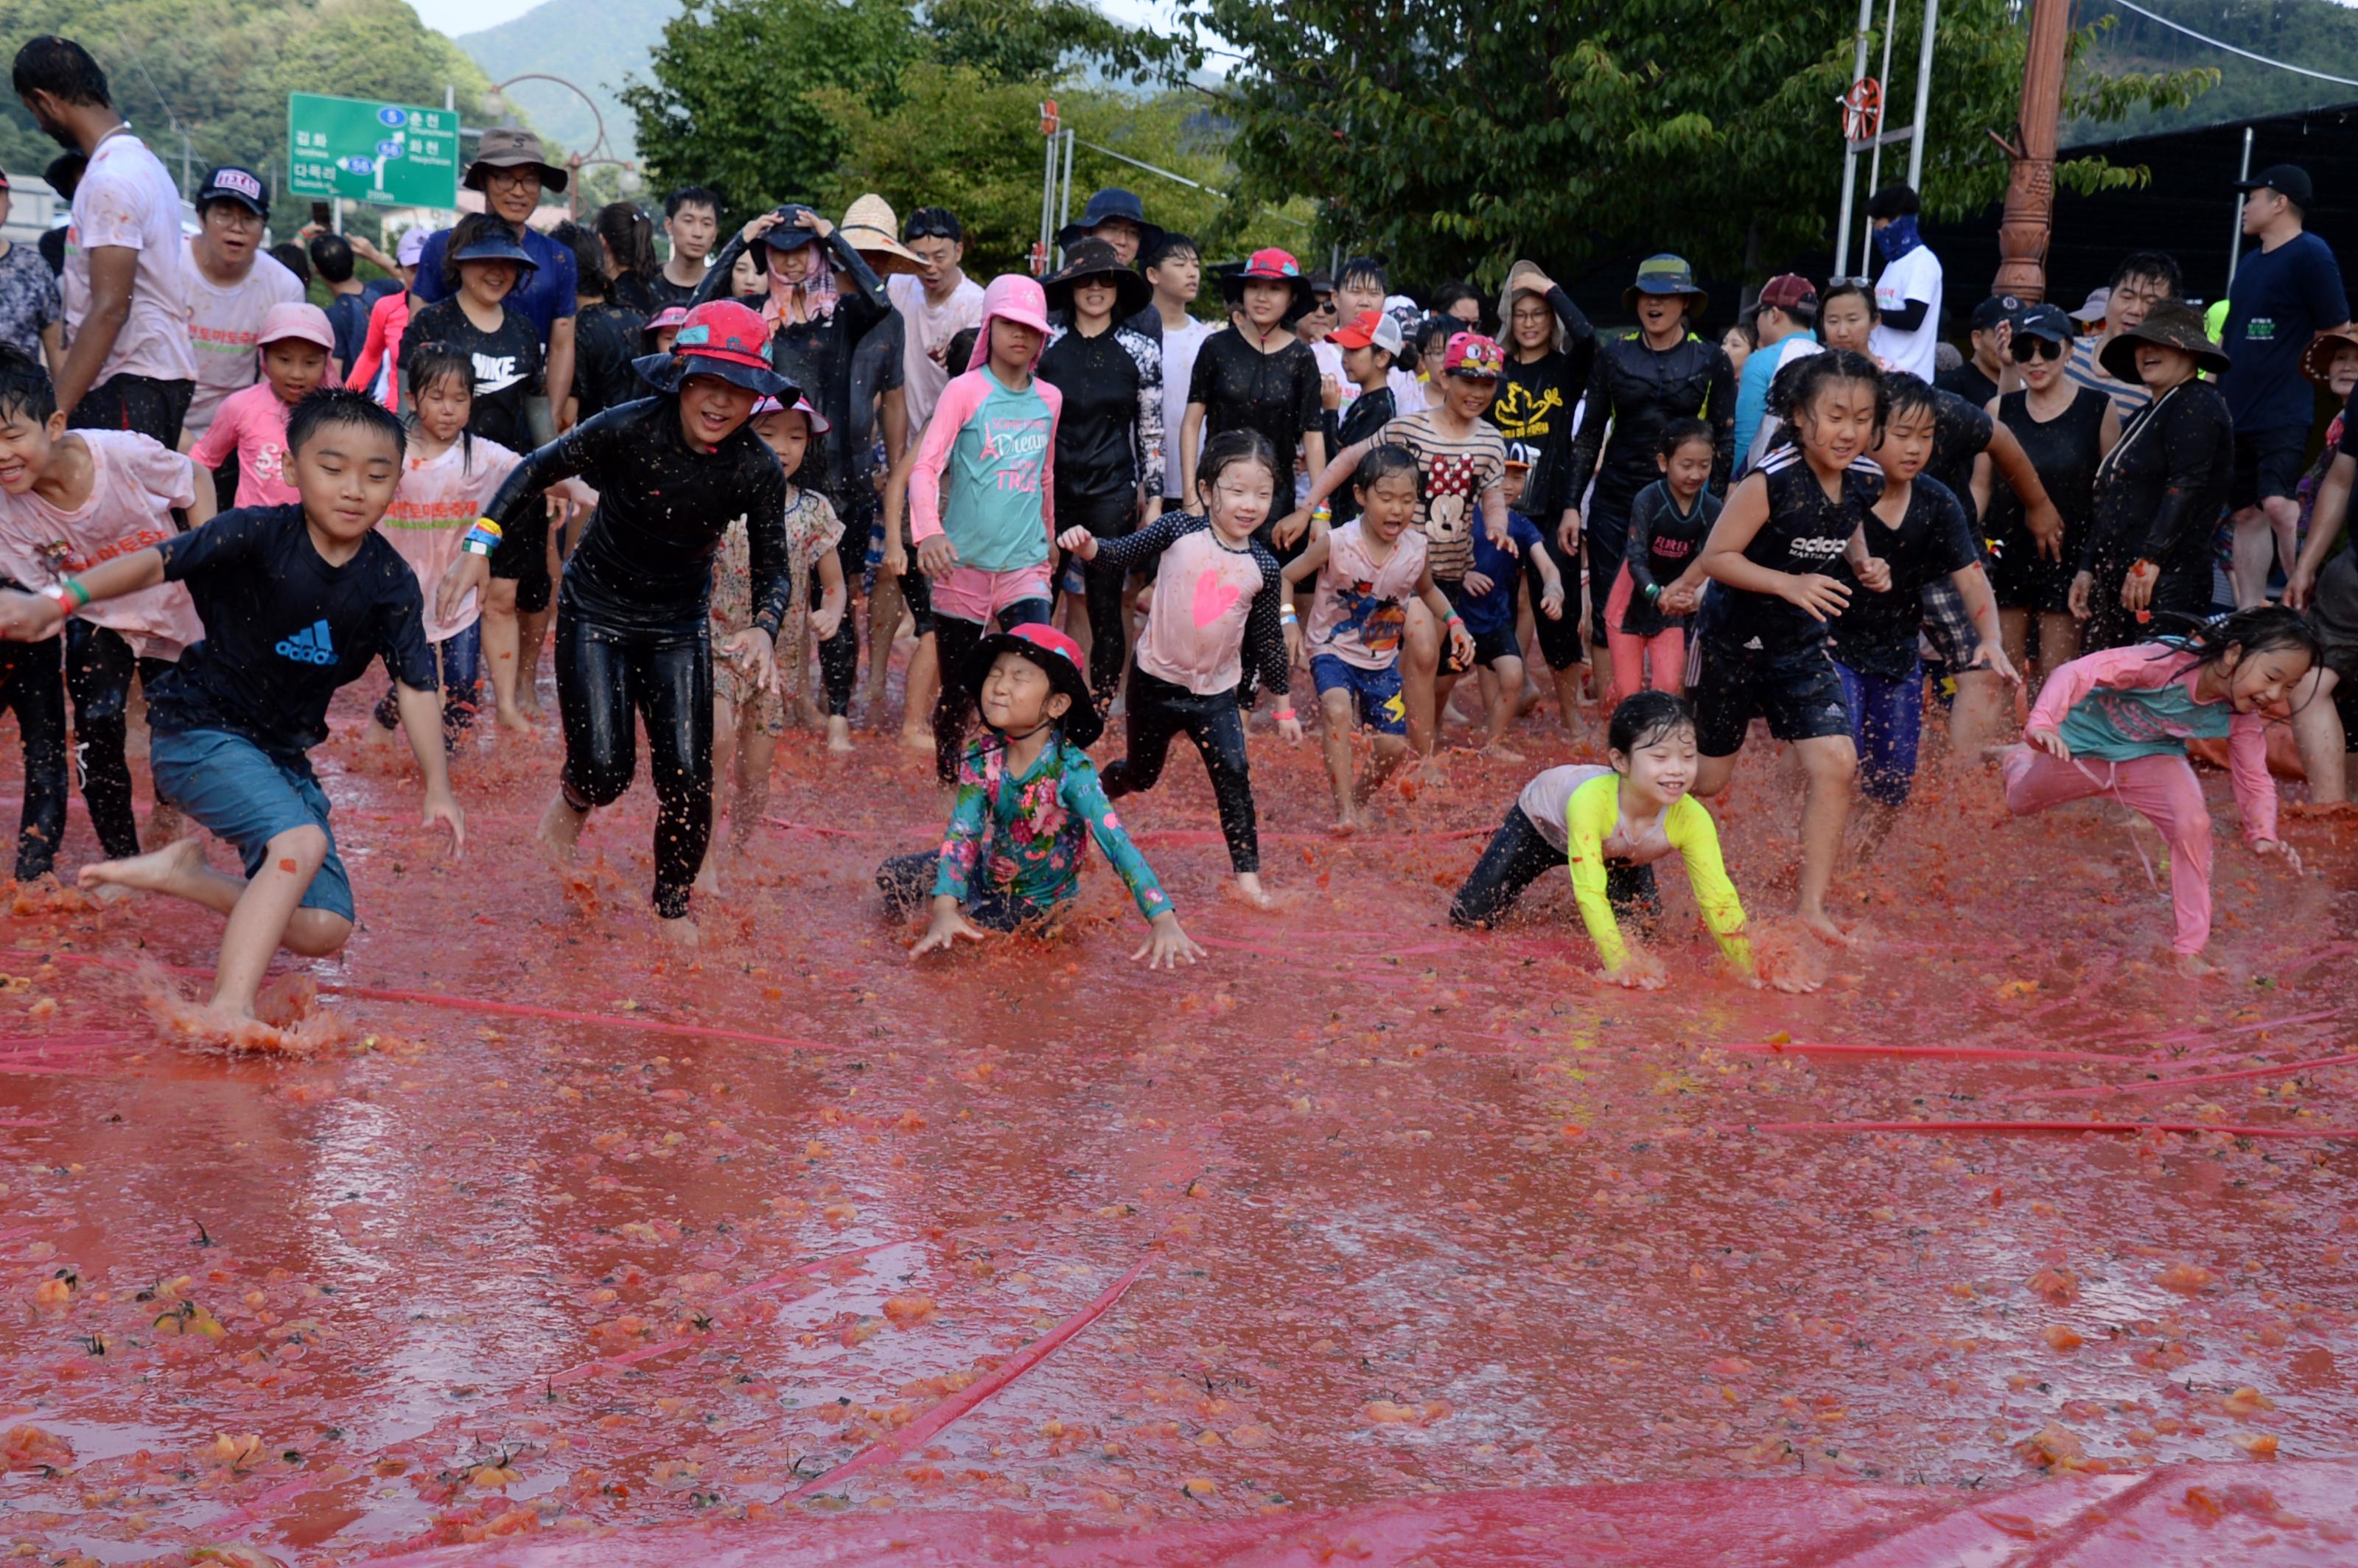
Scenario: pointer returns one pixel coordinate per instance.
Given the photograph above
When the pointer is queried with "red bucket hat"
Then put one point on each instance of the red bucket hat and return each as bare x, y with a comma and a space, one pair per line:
1270, 266
722, 338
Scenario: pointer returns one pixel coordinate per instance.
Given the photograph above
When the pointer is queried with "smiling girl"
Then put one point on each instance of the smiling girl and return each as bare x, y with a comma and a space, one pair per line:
2117, 723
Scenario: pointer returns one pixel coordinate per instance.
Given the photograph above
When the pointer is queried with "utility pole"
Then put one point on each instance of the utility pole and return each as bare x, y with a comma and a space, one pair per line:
2029, 217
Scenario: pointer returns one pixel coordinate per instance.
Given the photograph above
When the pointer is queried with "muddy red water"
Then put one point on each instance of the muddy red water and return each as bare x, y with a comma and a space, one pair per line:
556, 1230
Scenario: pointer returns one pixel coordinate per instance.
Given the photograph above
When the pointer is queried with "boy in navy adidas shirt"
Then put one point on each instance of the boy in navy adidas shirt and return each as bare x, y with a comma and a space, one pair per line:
296, 601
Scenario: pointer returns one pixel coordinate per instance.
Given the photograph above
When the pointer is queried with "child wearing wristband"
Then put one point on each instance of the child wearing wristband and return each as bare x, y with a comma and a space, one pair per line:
295, 603
1216, 595
1367, 572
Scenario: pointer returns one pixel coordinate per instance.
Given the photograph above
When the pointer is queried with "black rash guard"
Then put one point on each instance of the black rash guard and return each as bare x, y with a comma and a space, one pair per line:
644, 563
1638, 390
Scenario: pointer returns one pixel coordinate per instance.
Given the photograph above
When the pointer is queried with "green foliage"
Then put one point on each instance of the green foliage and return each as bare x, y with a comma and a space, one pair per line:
1600, 128
819, 101
732, 101
223, 68
2316, 34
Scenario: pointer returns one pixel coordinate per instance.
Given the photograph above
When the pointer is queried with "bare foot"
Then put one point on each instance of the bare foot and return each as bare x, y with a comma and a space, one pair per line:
2319, 807
916, 740
176, 867
680, 933
560, 832
2193, 966
375, 737
1497, 751
514, 721
1345, 824
1249, 889
1434, 774
838, 735
1820, 922
708, 880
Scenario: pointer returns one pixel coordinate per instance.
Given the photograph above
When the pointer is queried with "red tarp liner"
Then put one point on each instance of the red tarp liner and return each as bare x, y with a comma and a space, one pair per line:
2290, 1515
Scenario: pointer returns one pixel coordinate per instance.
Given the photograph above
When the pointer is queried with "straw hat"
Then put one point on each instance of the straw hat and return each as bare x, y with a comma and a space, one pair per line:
868, 227
2317, 360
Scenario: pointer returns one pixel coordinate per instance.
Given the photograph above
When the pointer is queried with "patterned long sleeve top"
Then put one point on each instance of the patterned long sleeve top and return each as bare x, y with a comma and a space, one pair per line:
1021, 833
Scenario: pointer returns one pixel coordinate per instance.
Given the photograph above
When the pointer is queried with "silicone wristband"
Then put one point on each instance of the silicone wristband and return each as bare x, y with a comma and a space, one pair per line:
474, 546
1283, 714
81, 594
1653, 591
65, 601
488, 526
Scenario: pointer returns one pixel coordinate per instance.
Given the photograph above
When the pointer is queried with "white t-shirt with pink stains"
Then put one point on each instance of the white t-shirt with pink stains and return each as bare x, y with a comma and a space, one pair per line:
223, 322
127, 199
135, 483
439, 501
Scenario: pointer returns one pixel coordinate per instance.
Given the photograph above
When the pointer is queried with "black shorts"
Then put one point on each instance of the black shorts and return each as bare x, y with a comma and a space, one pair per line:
2267, 462
157, 409
917, 593
1795, 689
1489, 647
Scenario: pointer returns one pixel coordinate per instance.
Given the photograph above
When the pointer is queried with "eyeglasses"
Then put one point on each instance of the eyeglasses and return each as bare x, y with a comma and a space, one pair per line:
2026, 348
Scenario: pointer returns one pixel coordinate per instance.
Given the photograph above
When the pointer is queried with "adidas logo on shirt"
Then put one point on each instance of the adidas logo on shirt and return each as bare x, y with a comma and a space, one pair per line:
313, 645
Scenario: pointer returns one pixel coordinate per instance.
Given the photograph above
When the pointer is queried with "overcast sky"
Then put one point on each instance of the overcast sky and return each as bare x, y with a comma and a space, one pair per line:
456, 17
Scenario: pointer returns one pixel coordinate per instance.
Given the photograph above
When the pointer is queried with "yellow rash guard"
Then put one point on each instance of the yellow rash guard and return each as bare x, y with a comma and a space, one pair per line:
1590, 819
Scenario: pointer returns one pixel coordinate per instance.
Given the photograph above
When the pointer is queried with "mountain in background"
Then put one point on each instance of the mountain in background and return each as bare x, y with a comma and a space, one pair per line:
594, 43
2316, 34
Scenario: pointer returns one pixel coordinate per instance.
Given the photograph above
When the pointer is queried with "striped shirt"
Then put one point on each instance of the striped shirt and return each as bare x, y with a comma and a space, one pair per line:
2082, 368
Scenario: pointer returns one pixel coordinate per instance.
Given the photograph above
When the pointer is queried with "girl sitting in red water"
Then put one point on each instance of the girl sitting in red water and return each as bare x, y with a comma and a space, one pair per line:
2117, 723
1026, 795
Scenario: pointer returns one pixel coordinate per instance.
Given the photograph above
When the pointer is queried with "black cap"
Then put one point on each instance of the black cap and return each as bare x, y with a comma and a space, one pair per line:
2288, 180
2047, 322
1998, 308
228, 182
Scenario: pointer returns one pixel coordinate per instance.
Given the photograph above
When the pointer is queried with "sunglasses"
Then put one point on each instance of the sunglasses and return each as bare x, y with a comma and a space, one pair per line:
924, 228
2026, 346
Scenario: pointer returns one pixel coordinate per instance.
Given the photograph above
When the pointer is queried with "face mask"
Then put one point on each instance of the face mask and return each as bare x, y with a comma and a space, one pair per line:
1898, 238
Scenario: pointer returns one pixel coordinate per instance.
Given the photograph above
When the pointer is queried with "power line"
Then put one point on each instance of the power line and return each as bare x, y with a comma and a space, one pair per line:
2231, 49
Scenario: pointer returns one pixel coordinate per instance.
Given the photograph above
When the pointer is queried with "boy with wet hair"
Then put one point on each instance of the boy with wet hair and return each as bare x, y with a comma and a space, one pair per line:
296, 601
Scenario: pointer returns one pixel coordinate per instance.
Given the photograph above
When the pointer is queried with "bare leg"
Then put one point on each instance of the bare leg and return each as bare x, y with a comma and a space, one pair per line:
560, 830
2255, 548
1335, 708
1502, 689
884, 615
1390, 750
532, 636
1978, 716
263, 914
2317, 728
1567, 695
1831, 765
2014, 636
2059, 644
924, 686
500, 639
749, 805
2284, 521
1419, 662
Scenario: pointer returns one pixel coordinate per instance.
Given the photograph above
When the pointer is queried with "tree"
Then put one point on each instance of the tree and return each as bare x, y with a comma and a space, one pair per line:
956, 138
222, 70
731, 103
1450, 138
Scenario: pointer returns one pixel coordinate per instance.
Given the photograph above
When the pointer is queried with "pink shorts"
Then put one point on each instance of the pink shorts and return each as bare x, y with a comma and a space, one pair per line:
970, 593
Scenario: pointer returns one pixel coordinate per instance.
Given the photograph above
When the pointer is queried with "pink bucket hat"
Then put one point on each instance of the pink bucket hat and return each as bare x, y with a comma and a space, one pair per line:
1011, 296
819, 425
291, 319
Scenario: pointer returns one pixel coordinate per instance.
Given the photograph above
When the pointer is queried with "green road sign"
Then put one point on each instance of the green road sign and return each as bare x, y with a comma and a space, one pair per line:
388, 154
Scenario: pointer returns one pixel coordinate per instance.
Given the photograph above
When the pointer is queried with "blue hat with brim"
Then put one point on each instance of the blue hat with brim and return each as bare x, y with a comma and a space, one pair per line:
789, 235
495, 248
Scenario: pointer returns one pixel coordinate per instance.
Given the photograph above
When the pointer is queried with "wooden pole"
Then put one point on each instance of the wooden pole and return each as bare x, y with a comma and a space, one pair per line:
2023, 231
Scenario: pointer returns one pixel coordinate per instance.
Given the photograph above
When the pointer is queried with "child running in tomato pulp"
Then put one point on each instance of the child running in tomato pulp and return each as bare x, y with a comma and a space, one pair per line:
1367, 572
251, 425
1216, 597
1610, 825
747, 716
296, 601
2116, 723
1027, 794
1660, 580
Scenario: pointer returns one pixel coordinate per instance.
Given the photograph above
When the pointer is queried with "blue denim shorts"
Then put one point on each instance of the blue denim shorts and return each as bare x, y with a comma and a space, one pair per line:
240, 793
1375, 693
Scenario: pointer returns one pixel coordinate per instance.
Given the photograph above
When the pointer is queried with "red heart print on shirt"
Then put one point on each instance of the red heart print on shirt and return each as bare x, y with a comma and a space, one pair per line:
1215, 596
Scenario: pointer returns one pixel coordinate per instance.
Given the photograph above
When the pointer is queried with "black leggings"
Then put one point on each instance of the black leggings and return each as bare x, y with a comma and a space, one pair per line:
99, 667
1103, 586
1517, 857
605, 676
32, 687
1156, 711
838, 656
1559, 641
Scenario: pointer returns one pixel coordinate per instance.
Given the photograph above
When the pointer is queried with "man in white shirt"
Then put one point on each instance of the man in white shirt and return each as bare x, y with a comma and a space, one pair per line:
935, 306
232, 284
1908, 294
1176, 271
128, 364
